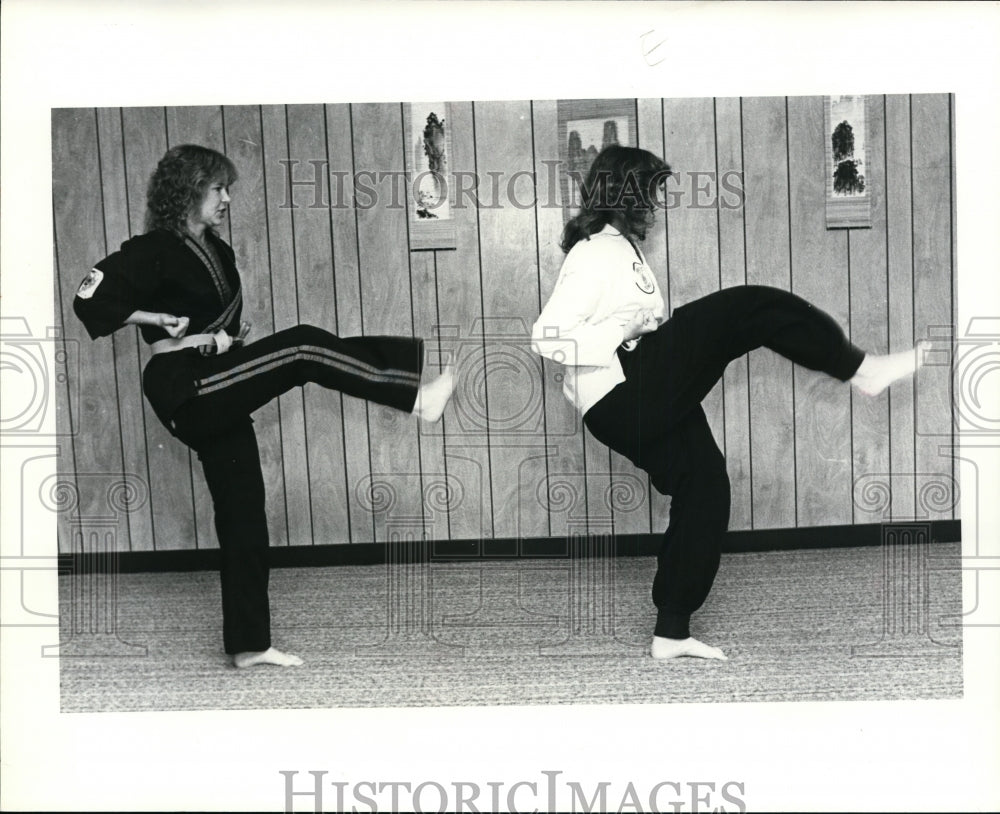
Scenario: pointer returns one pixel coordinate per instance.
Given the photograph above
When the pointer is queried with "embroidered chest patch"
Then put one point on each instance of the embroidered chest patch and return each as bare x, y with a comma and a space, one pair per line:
644, 278
89, 284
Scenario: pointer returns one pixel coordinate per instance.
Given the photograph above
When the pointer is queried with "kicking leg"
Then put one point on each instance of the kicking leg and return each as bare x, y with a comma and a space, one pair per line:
433, 395
704, 336
382, 369
876, 373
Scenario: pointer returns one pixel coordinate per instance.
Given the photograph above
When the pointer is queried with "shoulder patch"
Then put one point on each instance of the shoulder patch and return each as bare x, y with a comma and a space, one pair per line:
644, 278
90, 284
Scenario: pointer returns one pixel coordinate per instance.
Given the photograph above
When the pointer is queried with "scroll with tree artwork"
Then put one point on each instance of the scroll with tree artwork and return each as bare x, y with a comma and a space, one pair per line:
848, 194
428, 166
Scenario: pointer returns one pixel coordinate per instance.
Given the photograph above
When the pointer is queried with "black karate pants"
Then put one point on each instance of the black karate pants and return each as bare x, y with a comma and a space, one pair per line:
655, 419
216, 423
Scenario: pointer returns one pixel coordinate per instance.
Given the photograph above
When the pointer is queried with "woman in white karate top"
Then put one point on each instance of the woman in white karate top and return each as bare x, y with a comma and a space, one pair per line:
638, 378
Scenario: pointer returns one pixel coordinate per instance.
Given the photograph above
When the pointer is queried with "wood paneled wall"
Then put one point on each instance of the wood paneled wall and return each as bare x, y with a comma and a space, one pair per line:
510, 459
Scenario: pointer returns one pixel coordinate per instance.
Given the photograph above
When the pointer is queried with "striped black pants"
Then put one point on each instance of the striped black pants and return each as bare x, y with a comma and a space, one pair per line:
655, 419
216, 423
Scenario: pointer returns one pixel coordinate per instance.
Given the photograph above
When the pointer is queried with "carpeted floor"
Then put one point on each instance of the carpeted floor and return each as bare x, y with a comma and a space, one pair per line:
805, 625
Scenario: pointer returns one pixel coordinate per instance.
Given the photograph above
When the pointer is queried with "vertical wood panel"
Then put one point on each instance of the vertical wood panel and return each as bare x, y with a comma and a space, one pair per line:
125, 341
765, 153
357, 464
869, 285
692, 219
67, 401
732, 272
170, 462
307, 143
563, 425
195, 124
649, 116
563, 445
899, 254
953, 290
284, 285
79, 234
387, 299
434, 479
436, 492
932, 298
202, 126
248, 225
819, 274
510, 305
460, 308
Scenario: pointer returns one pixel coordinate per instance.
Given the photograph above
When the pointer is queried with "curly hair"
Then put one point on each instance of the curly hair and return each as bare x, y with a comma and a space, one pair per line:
620, 186
179, 182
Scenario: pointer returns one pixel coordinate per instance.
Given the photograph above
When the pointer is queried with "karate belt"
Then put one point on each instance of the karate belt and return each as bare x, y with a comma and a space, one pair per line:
208, 344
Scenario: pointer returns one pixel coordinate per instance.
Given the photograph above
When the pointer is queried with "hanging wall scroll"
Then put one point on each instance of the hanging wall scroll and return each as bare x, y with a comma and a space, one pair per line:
848, 182
586, 126
428, 129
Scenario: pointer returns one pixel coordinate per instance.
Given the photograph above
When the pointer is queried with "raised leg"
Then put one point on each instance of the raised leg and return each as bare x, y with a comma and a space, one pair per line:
878, 372
385, 370
433, 395
689, 353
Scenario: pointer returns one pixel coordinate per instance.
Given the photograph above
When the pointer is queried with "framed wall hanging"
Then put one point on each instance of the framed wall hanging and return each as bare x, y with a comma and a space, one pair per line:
848, 184
427, 126
586, 126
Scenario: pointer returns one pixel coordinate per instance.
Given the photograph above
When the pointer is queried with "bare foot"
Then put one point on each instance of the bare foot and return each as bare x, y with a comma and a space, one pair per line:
269, 656
433, 396
876, 373
664, 648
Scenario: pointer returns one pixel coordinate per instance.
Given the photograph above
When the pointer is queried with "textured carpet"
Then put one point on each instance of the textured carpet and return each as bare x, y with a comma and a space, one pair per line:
810, 625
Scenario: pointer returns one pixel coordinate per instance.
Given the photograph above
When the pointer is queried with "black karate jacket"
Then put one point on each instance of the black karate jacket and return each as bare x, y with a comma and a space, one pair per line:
162, 272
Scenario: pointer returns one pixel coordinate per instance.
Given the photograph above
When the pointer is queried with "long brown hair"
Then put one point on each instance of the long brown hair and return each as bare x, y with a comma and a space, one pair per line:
620, 187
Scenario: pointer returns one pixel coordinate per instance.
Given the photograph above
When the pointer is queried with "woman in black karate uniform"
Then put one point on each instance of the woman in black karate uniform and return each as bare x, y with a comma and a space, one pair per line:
179, 284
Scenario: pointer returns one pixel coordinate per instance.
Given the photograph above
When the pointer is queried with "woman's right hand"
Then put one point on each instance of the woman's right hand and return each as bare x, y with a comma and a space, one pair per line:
642, 323
175, 326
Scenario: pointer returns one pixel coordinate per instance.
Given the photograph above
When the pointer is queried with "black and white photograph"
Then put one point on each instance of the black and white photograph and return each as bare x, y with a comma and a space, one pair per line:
369, 453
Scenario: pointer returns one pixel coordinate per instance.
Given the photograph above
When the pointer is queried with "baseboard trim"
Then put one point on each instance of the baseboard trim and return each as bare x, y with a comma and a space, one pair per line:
625, 545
